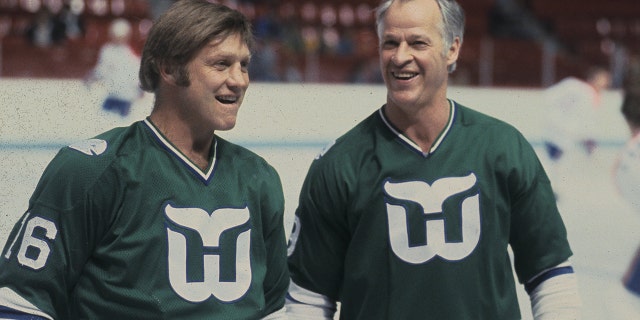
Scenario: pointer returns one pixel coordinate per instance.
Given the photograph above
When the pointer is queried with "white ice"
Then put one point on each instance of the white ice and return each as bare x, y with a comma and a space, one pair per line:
289, 125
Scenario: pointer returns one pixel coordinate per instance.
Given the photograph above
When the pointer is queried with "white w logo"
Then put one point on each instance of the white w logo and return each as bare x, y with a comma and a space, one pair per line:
209, 228
431, 198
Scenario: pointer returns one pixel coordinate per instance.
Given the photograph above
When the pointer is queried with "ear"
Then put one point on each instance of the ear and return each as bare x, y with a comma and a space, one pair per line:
454, 51
167, 73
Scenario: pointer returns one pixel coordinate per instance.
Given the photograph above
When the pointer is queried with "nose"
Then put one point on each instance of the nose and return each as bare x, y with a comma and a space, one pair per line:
402, 55
238, 77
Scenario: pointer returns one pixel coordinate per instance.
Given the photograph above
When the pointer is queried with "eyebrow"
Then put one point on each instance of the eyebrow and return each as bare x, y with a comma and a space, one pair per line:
229, 55
411, 37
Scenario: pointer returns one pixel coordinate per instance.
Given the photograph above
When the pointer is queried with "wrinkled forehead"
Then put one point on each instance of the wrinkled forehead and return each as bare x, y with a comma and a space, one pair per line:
411, 15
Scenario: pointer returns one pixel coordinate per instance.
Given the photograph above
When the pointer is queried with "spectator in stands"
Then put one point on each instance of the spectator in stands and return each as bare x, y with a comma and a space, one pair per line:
72, 22
410, 214
291, 71
265, 61
515, 19
162, 219
572, 106
367, 70
116, 70
45, 30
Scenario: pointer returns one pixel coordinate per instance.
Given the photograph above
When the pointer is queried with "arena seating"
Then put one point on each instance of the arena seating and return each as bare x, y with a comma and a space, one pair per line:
72, 58
336, 37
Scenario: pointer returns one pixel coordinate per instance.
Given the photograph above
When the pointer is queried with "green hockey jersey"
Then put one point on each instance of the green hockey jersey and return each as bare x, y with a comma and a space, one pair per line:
395, 233
124, 226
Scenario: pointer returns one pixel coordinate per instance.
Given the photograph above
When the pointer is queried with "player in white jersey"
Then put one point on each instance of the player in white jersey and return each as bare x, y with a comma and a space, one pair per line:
571, 110
116, 70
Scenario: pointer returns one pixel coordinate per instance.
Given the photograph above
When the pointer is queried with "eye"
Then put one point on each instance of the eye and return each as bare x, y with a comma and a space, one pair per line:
389, 44
420, 44
244, 66
221, 64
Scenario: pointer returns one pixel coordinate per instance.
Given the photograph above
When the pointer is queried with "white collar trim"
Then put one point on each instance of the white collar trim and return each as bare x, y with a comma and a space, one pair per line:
412, 144
205, 175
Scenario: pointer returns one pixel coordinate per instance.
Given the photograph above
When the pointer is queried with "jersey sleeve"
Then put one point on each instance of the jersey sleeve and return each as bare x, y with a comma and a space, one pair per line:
320, 236
46, 250
7, 313
538, 235
277, 278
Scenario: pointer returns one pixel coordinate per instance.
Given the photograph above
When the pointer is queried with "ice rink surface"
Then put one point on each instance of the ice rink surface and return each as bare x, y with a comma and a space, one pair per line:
289, 125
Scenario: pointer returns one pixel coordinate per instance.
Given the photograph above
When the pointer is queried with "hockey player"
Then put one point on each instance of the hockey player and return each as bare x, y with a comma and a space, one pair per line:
627, 177
410, 214
572, 107
116, 69
162, 219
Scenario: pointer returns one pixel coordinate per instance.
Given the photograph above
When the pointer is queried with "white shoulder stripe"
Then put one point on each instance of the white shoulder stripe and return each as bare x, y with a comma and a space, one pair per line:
304, 304
12, 300
280, 314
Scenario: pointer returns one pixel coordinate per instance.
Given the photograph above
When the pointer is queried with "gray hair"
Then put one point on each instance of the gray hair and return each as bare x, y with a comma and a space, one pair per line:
452, 26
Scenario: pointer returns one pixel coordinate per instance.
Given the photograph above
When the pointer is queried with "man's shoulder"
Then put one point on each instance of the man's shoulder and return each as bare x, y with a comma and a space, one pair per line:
241, 156
469, 116
82, 162
356, 140
478, 124
99, 149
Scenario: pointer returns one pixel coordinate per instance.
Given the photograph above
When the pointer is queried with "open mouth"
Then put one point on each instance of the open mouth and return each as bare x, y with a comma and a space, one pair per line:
227, 99
404, 75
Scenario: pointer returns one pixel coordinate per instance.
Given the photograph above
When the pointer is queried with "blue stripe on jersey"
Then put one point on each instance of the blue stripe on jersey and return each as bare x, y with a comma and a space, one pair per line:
291, 298
7, 313
531, 285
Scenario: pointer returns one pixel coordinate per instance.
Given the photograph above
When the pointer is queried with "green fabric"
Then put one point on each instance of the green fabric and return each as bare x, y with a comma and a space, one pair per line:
137, 232
394, 233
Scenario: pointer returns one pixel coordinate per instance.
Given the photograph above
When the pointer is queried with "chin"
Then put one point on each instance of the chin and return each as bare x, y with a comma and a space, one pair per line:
403, 98
226, 126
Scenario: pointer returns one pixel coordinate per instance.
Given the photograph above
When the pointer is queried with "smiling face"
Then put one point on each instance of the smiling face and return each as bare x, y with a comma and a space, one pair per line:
218, 79
413, 58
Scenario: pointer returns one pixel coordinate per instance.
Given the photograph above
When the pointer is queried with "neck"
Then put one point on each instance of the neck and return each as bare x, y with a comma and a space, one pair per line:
195, 145
423, 125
